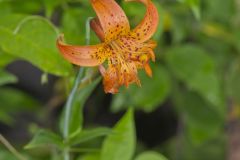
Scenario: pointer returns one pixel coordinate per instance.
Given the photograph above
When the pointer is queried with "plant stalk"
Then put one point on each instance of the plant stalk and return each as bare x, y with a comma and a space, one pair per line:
73, 92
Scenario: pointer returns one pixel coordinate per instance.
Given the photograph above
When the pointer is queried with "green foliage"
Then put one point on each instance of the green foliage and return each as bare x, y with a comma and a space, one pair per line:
43, 138
6, 155
195, 6
150, 155
89, 134
199, 128
5, 59
6, 77
90, 157
8, 105
20, 42
73, 25
196, 75
121, 144
197, 69
76, 119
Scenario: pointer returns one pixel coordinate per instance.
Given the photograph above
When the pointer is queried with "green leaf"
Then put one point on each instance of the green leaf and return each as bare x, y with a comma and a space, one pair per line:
213, 149
44, 138
150, 155
6, 118
23, 100
25, 6
19, 102
6, 77
5, 59
11, 21
195, 6
90, 157
201, 120
5, 9
121, 144
220, 10
197, 70
76, 119
73, 26
7, 155
29, 42
158, 88
89, 134
50, 6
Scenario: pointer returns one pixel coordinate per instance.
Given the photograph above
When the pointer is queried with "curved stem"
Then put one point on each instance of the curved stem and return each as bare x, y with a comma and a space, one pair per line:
70, 101
72, 95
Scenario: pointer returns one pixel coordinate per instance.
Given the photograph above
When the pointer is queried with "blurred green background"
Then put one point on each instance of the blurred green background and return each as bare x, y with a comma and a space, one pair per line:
188, 110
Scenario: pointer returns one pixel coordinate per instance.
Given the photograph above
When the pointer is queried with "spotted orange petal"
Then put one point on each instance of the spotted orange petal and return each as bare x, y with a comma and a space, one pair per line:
111, 17
110, 80
97, 28
82, 55
148, 25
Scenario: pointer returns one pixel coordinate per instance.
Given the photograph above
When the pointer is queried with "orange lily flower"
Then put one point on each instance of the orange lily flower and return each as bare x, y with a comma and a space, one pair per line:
126, 50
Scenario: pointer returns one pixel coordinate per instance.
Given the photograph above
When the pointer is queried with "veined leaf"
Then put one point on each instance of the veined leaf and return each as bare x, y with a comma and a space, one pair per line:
34, 40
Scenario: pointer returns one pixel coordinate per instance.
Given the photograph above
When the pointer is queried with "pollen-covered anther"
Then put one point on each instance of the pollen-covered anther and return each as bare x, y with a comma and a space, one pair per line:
143, 58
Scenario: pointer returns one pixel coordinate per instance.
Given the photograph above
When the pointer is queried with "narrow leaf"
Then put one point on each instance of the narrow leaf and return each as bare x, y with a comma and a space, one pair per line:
44, 138
6, 77
90, 134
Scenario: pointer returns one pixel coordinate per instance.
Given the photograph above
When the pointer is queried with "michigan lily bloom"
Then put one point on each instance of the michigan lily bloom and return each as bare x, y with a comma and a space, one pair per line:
125, 50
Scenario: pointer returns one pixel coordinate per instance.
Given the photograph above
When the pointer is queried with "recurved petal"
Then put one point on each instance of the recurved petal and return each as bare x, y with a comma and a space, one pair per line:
112, 18
148, 25
97, 28
82, 55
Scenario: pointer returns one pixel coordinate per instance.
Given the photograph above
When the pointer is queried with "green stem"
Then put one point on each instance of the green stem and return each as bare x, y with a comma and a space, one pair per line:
70, 102
70, 99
